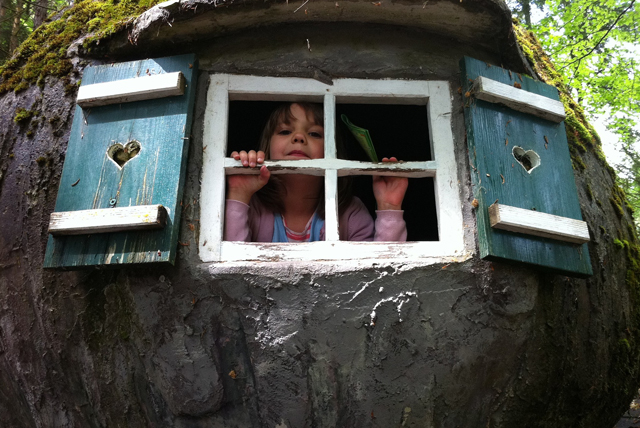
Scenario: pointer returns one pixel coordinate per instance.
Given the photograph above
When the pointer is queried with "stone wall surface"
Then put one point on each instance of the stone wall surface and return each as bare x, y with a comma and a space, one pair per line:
467, 344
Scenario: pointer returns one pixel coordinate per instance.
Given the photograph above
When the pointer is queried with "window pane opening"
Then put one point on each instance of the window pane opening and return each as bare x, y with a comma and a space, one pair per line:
265, 222
401, 131
396, 130
419, 206
247, 119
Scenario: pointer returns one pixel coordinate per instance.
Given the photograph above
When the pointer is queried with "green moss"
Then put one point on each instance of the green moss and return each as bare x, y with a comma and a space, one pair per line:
603, 230
23, 116
589, 192
110, 315
44, 52
619, 244
578, 163
617, 207
625, 344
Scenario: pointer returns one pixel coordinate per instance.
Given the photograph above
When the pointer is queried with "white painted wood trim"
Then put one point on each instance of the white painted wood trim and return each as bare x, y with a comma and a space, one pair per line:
518, 99
212, 194
259, 88
330, 151
127, 90
331, 229
337, 251
435, 95
343, 166
447, 186
531, 222
140, 217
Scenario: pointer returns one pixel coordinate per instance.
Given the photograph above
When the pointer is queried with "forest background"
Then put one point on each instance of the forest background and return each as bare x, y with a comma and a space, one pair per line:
593, 43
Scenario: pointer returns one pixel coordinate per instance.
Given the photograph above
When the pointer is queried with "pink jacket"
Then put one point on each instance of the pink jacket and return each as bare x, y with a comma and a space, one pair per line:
254, 223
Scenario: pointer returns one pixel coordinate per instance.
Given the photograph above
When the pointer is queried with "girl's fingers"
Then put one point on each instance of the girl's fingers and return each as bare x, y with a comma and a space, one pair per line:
251, 158
264, 175
242, 157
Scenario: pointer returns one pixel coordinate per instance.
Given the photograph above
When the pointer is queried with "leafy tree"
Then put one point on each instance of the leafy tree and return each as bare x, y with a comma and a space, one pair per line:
522, 9
594, 44
18, 18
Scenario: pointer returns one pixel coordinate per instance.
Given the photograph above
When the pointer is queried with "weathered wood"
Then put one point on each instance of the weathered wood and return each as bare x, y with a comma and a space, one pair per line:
530, 222
427, 252
212, 200
128, 90
141, 217
331, 231
92, 180
343, 166
493, 131
527, 102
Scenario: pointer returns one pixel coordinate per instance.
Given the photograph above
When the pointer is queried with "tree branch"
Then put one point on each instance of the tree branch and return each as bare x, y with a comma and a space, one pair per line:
602, 38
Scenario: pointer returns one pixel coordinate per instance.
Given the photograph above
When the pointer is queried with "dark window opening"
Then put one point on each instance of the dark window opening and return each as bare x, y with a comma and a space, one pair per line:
396, 130
401, 131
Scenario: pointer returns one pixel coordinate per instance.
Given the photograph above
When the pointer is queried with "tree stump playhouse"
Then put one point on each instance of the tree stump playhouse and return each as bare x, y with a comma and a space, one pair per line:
515, 304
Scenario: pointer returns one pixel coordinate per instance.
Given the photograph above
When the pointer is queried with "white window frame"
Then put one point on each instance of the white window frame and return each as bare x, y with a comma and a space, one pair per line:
435, 95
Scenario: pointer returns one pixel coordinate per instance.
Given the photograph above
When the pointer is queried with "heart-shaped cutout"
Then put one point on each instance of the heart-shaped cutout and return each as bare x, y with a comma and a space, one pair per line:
527, 158
122, 154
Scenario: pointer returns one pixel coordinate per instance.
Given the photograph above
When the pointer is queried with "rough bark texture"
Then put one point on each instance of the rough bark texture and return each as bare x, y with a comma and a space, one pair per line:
41, 10
470, 344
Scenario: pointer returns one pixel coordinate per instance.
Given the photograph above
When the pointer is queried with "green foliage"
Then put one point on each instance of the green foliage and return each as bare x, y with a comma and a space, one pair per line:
593, 44
44, 52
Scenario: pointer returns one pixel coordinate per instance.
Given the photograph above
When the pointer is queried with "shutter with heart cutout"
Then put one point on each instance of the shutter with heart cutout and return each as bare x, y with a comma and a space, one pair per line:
122, 180
528, 208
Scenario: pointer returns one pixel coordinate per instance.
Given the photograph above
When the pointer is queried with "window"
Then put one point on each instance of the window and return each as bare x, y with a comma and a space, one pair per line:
432, 97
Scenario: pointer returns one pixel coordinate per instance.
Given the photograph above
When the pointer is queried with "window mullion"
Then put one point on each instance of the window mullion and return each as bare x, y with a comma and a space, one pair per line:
330, 126
331, 175
331, 205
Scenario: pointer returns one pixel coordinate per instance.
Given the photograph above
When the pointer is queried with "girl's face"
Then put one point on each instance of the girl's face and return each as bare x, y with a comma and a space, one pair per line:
302, 138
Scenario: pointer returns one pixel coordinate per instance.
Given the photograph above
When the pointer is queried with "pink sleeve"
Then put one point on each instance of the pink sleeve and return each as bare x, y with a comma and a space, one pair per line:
359, 224
390, 226
236, 221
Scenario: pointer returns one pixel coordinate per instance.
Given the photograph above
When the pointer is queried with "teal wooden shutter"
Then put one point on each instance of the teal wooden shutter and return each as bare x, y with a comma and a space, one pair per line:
498, 138
157, 132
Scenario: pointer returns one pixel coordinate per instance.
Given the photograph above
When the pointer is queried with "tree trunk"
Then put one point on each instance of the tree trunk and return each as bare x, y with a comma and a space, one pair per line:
526, 11
40, 12
15, 29
4, 34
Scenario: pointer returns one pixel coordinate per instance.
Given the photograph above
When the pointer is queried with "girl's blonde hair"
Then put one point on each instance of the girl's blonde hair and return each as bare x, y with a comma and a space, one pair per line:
271, 194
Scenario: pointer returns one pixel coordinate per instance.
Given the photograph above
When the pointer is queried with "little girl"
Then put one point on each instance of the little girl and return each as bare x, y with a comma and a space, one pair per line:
290, 207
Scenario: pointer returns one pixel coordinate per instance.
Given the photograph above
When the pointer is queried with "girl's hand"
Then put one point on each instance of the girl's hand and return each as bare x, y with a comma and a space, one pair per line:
389, 191
242, 187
